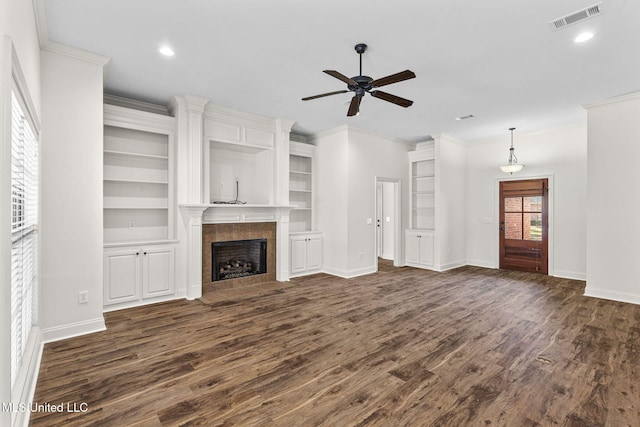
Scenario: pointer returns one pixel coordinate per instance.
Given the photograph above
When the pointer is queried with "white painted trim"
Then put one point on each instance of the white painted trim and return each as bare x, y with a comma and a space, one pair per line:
27, 378
397, 213
71, 330
349, 274
452, 265
481, 263
143, 302
350, 128
615, 99
611, 295
75, 53
42, 28
574, 275
134, 104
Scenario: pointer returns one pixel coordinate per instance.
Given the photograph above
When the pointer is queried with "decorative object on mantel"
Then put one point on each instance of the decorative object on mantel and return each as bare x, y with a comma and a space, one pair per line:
231, 202
513, 165
361, 84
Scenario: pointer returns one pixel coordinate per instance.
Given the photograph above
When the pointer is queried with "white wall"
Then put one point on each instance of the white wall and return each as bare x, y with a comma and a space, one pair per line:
613, 181
17, 23
331, 198
349, 160
71, 174
560, 153
451, 200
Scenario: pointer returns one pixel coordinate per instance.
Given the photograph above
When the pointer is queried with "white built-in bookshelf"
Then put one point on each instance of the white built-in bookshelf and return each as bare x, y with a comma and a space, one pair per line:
137, 176
301, 186
423, 175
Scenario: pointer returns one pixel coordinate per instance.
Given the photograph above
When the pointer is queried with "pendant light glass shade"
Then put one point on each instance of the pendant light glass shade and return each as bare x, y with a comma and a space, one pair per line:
513, 165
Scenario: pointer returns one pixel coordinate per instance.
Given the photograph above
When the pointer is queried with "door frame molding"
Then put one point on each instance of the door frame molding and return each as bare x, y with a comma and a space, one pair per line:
550, 218
397, 212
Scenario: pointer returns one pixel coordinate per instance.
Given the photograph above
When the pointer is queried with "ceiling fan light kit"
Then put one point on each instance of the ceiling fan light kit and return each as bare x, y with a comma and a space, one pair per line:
362, 84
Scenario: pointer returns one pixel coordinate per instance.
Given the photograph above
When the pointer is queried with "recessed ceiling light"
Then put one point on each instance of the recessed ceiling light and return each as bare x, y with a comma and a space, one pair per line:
166, 51
583, 37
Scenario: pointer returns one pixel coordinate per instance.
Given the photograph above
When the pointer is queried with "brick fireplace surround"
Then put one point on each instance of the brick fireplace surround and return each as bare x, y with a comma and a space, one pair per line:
238, 231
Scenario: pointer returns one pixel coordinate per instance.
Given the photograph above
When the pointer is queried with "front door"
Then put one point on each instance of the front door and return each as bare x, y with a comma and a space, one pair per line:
524, 225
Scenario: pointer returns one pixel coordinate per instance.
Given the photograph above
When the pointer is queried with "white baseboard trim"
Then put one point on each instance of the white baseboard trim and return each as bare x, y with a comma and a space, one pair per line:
452, 265
611, 295
481, 263
27, 379
565, 274
194, 291
348, 274
73, 330
138, 303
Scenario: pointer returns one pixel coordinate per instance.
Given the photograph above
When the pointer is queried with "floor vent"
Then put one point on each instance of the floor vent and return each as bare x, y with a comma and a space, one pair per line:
580, 15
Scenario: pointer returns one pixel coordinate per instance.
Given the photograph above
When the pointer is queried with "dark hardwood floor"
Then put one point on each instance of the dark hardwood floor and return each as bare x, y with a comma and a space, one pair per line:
402, 347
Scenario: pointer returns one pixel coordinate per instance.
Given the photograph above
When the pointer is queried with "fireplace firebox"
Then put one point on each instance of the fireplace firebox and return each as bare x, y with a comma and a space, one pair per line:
238, 258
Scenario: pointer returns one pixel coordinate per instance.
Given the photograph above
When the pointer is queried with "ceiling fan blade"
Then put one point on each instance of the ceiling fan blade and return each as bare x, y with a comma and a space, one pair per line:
392, 98
354, 107
394, 78
341, 76
324, 94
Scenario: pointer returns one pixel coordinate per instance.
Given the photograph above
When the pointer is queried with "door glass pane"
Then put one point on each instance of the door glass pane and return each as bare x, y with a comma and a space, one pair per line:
513, 204
513, 226
532, 204
533, 226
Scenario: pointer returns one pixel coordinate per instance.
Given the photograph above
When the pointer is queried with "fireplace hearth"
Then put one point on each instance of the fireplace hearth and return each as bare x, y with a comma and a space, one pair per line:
238, 258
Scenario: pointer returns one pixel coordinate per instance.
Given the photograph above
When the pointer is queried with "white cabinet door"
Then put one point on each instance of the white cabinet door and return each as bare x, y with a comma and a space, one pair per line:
158, 277
314, 253
412, 247
426, 249
419, 248
298, 254
132, 274
121, 276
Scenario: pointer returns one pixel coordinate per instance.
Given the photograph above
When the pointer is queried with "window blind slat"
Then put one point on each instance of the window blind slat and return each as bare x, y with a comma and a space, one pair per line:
24, 216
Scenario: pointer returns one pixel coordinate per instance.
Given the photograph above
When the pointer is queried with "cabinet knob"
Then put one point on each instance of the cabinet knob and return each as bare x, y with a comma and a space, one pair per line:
145, 253
137, 253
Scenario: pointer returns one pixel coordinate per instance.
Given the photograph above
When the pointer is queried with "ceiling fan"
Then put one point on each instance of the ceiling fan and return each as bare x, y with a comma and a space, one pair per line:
361, 84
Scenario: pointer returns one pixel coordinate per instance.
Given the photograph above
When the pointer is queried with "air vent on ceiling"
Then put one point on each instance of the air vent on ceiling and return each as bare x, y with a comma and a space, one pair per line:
572, 18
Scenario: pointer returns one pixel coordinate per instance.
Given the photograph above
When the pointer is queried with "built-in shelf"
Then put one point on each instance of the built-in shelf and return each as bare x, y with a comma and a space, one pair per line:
301, 186
137, 190
422, 183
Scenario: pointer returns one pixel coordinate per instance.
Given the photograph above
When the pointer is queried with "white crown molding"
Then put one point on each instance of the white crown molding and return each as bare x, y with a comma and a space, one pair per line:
134, 104
119, 115
347, 128
625, 97
47, 45
39, 10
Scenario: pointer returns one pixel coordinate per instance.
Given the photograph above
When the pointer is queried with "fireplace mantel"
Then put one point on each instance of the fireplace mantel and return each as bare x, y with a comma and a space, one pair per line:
194, 215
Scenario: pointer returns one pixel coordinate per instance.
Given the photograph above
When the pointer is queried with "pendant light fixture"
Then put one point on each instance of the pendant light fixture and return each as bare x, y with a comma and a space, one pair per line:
513, 165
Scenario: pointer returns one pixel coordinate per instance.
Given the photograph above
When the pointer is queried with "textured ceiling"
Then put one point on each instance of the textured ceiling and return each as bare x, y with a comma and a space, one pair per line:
498, 60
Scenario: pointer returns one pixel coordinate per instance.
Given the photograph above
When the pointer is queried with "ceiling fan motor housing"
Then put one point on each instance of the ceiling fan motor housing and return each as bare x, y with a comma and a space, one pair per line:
364, 85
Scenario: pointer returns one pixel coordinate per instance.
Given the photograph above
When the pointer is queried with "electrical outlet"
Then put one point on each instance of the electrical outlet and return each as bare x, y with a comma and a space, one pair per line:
83, 297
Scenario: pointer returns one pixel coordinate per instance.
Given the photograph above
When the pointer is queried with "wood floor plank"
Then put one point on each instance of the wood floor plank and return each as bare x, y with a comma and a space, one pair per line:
401, 347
